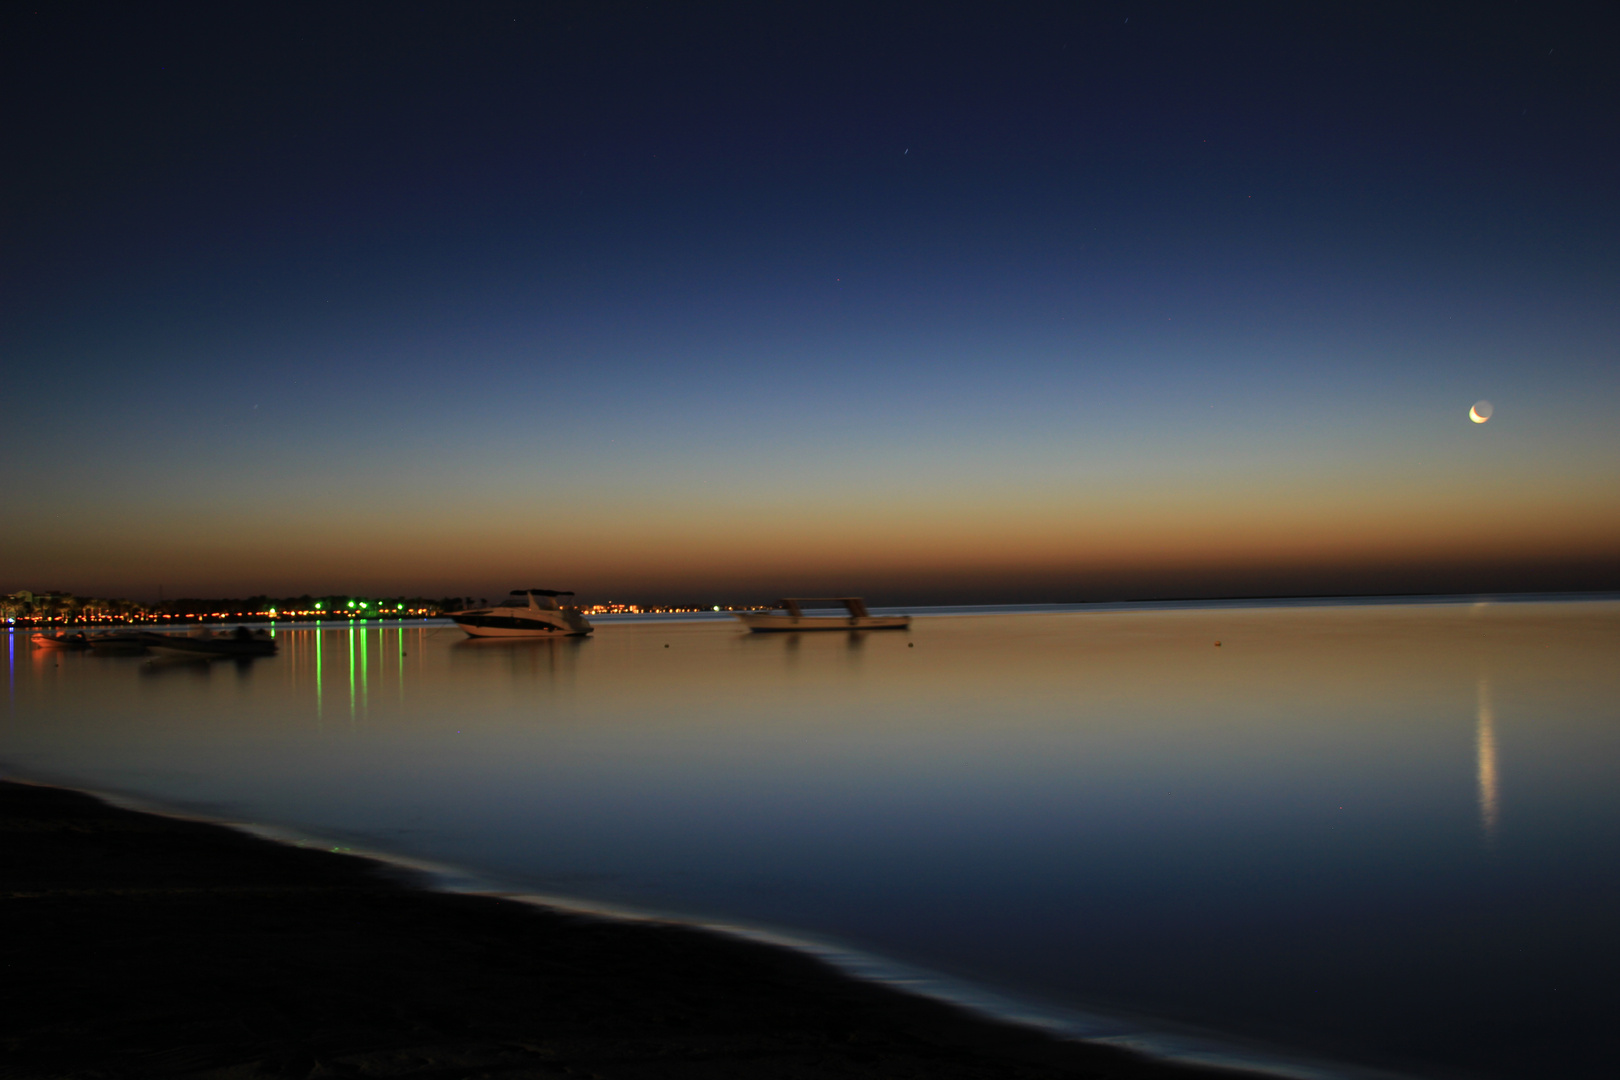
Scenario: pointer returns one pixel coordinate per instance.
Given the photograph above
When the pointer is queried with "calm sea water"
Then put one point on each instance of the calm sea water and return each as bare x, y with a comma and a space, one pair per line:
1385, 836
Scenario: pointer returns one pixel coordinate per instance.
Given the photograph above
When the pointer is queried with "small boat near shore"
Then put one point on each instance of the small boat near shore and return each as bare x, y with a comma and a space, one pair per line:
117, 642
526, 613
61, 641
200, 643
788, 616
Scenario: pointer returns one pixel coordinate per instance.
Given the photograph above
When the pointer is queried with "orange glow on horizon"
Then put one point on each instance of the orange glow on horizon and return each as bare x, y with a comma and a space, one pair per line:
1171, 533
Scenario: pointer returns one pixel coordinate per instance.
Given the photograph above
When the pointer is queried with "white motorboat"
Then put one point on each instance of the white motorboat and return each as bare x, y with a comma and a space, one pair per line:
526, 613
788, 616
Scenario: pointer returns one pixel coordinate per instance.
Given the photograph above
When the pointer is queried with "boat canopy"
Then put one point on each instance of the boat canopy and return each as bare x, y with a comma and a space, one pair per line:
794, 605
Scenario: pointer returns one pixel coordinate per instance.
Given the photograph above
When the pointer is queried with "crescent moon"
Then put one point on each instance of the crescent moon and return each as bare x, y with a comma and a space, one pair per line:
1475, 417
1480, 411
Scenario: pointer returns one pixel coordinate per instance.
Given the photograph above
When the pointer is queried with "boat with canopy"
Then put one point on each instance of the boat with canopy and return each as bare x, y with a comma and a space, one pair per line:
525, 613
789, 615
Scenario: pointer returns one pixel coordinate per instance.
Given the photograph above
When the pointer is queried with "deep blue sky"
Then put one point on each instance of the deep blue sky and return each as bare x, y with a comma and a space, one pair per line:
1113, 299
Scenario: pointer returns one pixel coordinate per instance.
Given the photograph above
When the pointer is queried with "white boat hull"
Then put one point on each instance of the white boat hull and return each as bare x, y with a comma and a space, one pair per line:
764, 623
539, 630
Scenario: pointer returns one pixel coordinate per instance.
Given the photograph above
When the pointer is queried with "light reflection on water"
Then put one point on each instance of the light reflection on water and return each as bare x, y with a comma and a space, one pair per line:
1486, 739
1379, 834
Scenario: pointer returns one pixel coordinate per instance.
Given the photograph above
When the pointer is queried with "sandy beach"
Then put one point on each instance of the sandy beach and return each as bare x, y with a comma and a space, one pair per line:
140, 945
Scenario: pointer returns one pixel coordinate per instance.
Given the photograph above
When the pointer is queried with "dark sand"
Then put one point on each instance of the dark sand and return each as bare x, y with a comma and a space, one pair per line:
137, 945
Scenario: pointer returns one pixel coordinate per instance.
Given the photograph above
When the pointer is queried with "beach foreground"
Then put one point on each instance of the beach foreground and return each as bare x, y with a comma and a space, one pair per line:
141, 945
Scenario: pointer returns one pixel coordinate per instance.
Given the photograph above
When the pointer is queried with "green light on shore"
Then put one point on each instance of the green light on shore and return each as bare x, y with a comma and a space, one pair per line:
317, 605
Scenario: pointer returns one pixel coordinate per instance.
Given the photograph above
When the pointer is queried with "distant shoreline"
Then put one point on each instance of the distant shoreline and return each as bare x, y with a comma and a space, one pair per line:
337, 620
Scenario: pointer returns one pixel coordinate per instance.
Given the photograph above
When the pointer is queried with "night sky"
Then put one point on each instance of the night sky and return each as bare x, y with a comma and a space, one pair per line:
722, 302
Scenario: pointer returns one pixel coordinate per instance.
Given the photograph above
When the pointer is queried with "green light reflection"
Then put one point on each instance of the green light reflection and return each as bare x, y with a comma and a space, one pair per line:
318, 687
351, 670
365, 676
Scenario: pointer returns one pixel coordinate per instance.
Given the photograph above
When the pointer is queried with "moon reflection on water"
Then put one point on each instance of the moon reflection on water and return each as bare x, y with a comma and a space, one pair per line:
1485, 738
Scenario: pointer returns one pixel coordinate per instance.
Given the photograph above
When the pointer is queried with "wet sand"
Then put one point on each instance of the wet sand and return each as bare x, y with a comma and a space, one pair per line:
139, 945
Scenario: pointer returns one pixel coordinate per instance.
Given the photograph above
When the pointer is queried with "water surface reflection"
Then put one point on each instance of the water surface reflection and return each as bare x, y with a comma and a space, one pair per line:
1380, 834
